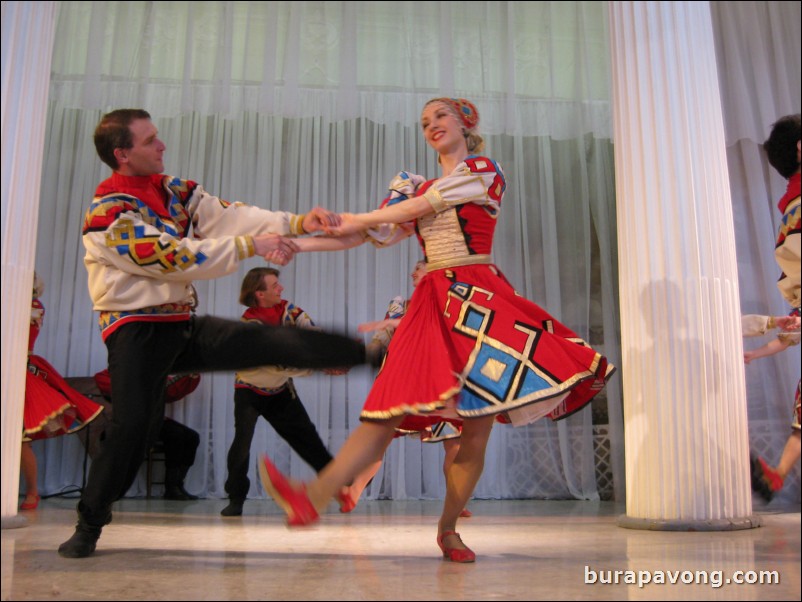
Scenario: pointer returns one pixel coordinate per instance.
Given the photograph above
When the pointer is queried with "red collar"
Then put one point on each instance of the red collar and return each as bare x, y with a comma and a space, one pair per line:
148, 189
267, 315
791, 192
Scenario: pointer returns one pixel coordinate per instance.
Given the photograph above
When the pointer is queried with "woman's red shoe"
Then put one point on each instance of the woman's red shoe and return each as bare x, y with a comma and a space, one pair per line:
294, 501
347, 503
455, 554
765, 480
30, 505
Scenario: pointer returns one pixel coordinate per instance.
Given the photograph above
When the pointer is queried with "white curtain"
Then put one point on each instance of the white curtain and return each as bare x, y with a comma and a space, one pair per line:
288, 105
758, 54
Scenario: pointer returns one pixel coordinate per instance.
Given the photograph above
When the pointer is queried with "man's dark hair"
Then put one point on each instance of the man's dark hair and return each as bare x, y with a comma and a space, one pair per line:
254, 281
781, 144
114, 131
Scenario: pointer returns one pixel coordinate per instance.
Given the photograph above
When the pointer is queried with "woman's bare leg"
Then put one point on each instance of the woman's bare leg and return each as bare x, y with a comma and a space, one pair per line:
29, 472
790, 454
363, 448
451, 447
463, 474
362, 479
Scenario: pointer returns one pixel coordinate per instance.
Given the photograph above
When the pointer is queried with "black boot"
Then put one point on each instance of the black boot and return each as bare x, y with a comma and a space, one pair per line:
234, 507
83, 541
174, 484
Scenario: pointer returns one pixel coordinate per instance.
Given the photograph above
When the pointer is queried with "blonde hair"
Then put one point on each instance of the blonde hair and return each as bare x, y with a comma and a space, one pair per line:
38, 286
474, 142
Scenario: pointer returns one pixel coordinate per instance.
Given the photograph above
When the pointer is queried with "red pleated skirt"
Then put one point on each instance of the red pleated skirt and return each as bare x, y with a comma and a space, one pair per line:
470, 346
52, 407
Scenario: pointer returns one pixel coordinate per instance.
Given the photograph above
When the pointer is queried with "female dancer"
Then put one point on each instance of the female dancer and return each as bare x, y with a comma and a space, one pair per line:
447, 432
52, 407
469, 346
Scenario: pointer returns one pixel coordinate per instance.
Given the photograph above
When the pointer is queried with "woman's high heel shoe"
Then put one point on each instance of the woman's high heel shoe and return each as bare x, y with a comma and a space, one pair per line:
295, 502
30, 505
455, 554
347, 503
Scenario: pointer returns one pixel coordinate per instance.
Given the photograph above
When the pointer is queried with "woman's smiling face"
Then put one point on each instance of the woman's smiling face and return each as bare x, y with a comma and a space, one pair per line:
441, 127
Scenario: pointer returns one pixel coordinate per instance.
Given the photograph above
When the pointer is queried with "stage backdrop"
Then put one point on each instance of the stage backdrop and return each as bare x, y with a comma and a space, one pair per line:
287, 105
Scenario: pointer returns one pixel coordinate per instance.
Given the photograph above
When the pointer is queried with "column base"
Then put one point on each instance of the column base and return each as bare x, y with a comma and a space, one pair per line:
722, 524
14, 522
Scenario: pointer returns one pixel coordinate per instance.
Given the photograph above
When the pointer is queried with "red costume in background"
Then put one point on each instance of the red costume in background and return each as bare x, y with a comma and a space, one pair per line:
52, 407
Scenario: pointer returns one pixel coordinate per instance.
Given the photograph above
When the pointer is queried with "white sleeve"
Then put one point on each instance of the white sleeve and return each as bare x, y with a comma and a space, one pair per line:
213, 217
132, 245
402, 187
476, 180
753, 325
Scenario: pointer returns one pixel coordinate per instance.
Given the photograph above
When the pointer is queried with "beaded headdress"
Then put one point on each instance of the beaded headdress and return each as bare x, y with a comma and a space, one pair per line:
465, 110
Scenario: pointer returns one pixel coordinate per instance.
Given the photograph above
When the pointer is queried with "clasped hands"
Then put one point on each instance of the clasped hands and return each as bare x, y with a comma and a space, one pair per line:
787, 323
280, 250
330, 223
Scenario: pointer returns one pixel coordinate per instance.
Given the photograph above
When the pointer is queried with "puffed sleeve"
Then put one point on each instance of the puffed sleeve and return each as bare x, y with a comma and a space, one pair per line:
789, 338
295, 316
37, 312
476, 180
396, 309
402, 187
787, 252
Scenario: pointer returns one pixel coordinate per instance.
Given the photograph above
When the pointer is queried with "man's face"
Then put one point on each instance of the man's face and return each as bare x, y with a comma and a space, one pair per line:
271, 295
144, 158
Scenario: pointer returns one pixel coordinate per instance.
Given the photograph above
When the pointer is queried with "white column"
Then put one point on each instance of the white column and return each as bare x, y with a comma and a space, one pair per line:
28, 33
685, 419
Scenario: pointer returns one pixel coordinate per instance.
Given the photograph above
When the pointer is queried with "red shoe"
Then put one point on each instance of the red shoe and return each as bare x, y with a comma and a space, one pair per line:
765, 480
772, 477
347, 503
295, 502
30, 505
455, 554
465, 513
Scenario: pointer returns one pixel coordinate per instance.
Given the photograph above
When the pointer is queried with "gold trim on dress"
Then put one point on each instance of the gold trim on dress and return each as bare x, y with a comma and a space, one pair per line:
415, 409
457, 261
